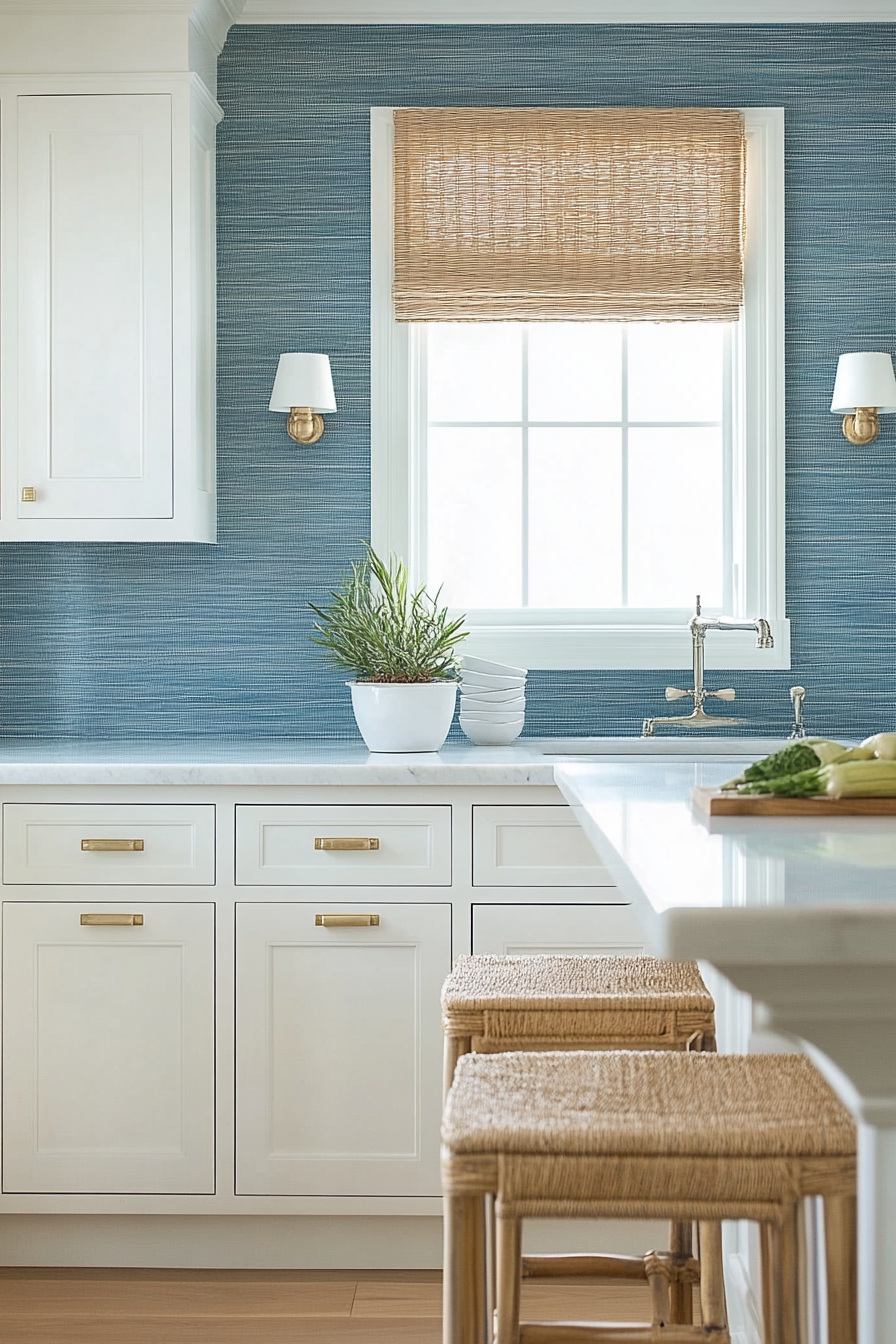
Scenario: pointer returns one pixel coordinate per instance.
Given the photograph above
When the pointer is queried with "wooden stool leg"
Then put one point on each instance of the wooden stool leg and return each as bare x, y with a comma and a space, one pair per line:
452, 1049
509, 1252
681, 1244
840, 1251
463, 1315
491, 1251
781, 1280
770, 1286
712, 1281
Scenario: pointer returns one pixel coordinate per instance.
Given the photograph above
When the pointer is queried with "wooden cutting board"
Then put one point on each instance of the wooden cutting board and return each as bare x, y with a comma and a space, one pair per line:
716, 803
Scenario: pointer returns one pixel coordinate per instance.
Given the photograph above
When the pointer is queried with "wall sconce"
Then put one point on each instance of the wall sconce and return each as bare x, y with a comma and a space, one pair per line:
865, 388
304, 388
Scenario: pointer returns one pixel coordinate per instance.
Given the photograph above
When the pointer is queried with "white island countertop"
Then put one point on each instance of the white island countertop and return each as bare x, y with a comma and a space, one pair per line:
798, 912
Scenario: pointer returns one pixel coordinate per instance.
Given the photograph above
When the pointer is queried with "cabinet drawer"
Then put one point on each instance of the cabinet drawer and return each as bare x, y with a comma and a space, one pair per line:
556, 930
396, 846
533, 847
42, 843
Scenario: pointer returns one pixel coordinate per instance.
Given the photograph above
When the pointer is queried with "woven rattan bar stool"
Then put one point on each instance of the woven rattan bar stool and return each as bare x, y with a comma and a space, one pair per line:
628, 1134
493, 1004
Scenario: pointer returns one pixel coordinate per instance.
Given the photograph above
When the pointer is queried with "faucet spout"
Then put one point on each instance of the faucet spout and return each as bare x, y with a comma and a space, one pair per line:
698, 626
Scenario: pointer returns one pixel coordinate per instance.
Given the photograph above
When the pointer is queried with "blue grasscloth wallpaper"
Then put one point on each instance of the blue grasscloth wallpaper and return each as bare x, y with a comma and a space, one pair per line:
128, 641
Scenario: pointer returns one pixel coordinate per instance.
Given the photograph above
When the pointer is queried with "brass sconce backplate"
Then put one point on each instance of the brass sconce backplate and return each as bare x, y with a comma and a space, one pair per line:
863, 427
304, 426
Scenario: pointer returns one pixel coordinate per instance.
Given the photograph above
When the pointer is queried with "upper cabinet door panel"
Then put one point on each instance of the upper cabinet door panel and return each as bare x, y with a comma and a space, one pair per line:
95, 306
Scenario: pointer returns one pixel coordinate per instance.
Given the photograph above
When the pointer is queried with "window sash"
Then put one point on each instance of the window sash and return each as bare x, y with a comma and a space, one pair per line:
732, 449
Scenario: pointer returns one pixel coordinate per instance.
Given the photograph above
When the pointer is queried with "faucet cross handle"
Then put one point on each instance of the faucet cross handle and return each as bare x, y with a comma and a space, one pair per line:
673, 693
728, 694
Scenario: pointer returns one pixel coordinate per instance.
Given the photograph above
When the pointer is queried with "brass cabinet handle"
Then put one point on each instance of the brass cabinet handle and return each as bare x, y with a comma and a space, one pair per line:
102, 919
344, 842
29, 494
115, 846
347, 921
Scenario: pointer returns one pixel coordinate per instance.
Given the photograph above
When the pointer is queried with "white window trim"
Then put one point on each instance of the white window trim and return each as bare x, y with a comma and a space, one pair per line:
565, 639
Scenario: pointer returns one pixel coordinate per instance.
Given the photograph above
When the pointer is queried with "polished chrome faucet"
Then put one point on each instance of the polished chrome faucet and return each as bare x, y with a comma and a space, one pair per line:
698, 718
797, 696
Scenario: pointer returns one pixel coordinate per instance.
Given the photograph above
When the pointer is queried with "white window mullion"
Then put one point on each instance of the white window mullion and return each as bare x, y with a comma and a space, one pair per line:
524, 445
623, 503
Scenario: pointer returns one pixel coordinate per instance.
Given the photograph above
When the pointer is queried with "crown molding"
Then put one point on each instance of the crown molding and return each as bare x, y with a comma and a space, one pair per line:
213, 19
567, 11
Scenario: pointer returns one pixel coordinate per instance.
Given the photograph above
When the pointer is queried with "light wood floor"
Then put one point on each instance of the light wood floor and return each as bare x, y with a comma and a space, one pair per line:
119, 1306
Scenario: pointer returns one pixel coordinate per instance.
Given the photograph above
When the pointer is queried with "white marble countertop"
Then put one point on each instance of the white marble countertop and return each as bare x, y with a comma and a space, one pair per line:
210, 761
265, 762
795, 889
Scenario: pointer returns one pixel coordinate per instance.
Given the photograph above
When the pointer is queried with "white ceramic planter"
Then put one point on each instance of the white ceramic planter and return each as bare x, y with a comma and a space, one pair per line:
393, 716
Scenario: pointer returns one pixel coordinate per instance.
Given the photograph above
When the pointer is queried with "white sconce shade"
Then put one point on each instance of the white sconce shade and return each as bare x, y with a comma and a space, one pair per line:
303, 380
865, 387
303, 388
864, 379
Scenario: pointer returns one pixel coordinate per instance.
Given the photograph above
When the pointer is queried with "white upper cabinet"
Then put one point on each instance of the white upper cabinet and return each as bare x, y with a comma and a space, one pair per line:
108, 314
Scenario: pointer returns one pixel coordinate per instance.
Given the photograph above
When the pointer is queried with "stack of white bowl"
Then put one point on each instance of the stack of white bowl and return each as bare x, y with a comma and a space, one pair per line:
492, 701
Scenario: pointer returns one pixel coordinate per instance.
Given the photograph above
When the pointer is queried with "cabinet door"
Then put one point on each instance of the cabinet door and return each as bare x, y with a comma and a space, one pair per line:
339, 1049
108, 1049
95, 307
586, 930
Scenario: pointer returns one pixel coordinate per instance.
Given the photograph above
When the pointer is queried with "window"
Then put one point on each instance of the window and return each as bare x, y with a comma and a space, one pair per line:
574, 485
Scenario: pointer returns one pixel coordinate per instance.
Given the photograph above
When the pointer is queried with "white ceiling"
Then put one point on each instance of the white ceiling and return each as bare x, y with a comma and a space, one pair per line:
568, 11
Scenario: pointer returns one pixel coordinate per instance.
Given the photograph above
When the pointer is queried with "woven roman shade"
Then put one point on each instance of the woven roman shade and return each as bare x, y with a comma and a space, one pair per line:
559, 214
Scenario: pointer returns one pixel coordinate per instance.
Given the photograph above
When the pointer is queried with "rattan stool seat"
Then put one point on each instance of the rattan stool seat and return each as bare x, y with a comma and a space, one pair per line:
633, 1002
636, 1102
653, 1134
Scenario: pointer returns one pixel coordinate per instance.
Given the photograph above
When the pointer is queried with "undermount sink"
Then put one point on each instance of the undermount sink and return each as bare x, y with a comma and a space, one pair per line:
695, 744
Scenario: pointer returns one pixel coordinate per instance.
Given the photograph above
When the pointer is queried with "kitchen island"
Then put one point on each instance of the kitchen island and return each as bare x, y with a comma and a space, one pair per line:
800, 913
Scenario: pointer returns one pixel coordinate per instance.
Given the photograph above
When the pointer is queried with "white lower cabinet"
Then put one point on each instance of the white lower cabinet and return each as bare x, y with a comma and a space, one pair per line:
108, 1047
339, 1048
525, 930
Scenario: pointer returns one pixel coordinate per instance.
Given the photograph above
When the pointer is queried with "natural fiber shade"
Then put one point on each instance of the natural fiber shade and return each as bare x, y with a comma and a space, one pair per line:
636, 1103
559, 214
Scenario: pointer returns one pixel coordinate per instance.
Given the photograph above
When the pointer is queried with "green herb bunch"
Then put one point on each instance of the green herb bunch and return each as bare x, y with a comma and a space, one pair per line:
384, 631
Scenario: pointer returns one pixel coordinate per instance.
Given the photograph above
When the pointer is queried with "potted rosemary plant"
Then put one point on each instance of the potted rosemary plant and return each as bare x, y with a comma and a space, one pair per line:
400, 644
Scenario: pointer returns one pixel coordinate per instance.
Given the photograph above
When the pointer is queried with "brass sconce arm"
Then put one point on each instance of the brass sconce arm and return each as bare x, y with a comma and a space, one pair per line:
863, 427
303, 425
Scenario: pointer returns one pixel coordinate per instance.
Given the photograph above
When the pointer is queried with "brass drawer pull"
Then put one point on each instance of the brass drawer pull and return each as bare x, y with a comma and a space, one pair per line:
128, 921
113, 846
345, 842
347, 921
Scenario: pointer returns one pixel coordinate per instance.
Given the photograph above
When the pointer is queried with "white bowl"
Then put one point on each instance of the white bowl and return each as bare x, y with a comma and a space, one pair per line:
501, 708
493, 697
478, 717
491, 734
492, 683
494, 669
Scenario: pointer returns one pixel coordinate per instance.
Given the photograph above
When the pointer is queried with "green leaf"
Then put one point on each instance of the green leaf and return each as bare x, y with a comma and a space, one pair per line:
382, 630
